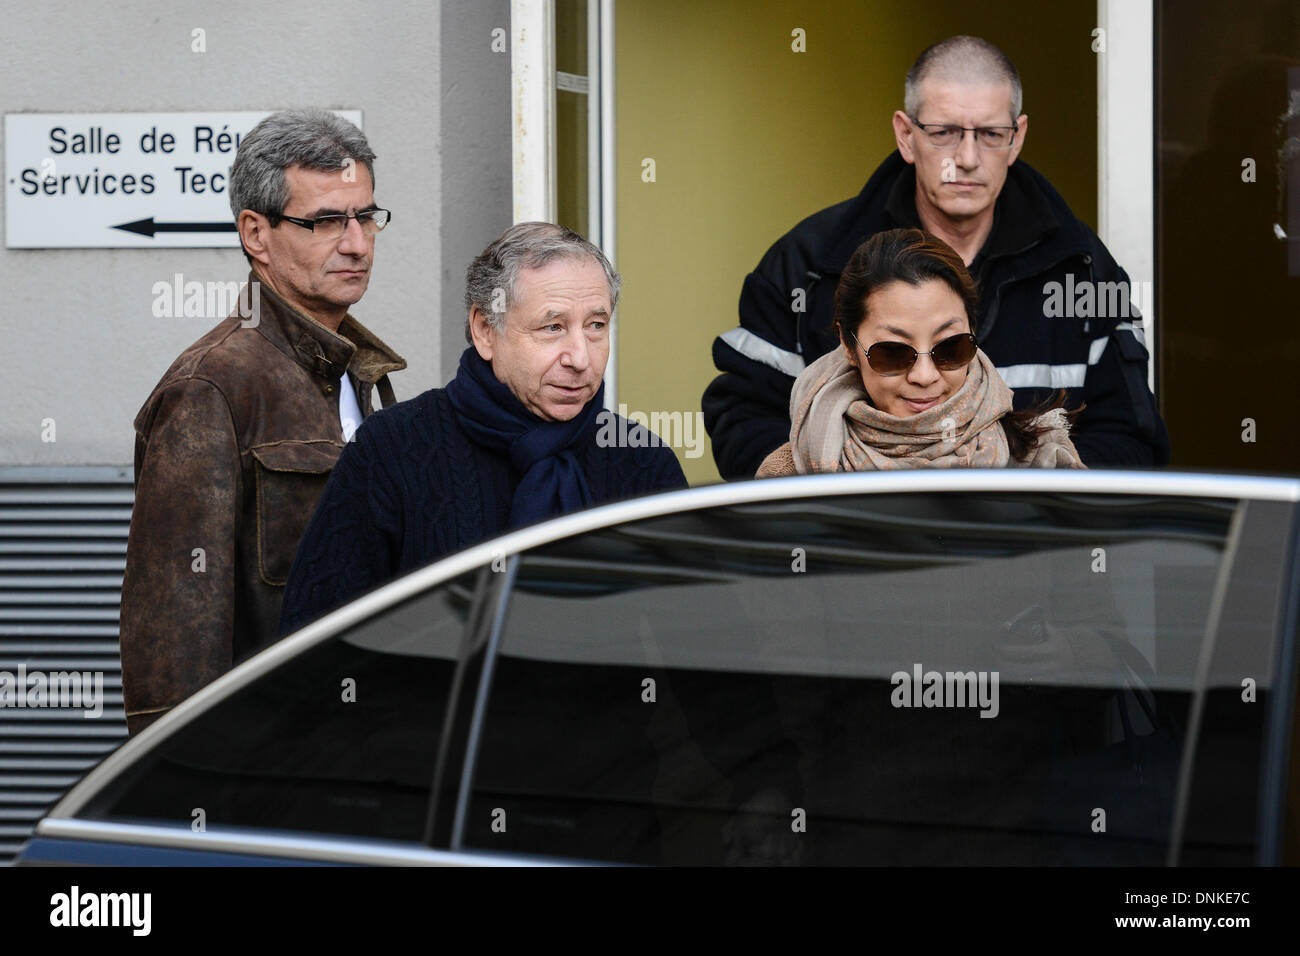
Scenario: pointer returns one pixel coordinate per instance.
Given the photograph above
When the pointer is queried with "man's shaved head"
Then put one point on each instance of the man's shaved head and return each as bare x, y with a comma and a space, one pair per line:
966, 60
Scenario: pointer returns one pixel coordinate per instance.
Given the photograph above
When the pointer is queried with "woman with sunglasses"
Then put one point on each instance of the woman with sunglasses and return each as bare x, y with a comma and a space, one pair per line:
909, 388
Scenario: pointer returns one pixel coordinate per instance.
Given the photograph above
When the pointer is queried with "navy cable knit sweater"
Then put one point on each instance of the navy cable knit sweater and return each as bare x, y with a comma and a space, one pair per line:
411, 487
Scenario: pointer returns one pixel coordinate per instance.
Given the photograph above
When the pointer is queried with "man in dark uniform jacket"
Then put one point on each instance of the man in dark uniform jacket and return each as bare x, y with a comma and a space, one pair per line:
1056, 310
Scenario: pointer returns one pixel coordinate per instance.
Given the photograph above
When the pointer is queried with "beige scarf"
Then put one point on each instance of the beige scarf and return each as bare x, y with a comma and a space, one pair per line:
835, 427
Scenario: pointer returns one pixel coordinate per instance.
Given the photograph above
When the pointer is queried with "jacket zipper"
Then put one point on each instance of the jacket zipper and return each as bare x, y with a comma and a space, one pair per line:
992, 315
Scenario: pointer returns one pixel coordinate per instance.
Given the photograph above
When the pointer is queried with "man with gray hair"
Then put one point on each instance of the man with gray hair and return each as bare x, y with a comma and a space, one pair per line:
235, 443
512, 439
955, 174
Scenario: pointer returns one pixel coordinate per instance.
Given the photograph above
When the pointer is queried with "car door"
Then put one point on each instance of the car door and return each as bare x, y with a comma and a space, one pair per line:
986, 668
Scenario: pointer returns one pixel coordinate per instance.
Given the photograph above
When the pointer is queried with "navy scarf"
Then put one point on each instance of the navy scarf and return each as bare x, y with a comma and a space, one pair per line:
543, 452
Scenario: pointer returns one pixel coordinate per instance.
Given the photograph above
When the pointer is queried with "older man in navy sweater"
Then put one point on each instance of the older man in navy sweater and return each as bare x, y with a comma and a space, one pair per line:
514, 438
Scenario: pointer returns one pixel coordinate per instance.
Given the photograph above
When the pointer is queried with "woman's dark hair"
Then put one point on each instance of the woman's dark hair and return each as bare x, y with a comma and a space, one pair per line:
914, 256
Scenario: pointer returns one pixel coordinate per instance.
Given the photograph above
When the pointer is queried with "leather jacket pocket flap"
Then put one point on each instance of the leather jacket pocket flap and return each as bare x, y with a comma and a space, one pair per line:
290, 479
314, 457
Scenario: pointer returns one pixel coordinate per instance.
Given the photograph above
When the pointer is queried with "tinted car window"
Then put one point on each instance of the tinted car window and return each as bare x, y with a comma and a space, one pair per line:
340, 739
1227, 811
934, 678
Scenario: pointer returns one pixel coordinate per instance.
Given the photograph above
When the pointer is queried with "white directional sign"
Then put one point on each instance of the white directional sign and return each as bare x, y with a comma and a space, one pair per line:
123, 180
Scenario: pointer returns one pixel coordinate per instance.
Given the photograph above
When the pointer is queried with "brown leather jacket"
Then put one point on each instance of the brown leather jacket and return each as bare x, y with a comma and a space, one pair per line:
233, 448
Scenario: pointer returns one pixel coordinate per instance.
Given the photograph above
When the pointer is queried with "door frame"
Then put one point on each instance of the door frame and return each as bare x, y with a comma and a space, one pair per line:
533, 81
1126, 152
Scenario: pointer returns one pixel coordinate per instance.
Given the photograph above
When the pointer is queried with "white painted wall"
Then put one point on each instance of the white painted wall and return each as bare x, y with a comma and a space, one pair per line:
475, 162
532, 59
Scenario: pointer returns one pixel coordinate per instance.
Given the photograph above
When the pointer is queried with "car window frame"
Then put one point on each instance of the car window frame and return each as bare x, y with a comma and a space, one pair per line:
467, 709
1275, 730
1280, 745
1239, 489
63, 822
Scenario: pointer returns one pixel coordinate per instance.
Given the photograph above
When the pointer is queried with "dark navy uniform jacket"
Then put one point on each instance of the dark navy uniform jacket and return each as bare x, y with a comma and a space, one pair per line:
1056, 312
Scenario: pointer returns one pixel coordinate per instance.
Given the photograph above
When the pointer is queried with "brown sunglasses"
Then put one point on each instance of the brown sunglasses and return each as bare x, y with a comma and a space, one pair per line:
895, 358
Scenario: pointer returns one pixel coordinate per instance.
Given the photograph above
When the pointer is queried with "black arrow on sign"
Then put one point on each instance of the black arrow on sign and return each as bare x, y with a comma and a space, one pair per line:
147, 227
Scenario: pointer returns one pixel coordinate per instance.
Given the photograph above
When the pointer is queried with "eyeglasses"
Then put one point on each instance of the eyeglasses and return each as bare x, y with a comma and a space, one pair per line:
895, 358
946, 135
335, 224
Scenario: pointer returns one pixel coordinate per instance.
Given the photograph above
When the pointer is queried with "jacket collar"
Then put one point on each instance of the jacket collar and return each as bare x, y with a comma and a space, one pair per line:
354, 348
1028, 212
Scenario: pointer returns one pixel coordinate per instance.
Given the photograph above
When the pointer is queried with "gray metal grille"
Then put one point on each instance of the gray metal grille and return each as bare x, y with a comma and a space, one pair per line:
62, 553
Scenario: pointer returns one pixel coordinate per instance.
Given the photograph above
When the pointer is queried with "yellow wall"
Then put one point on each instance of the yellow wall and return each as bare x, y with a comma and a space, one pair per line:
749, 137
571, 118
